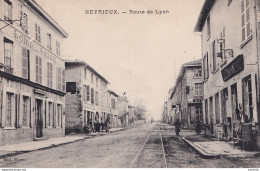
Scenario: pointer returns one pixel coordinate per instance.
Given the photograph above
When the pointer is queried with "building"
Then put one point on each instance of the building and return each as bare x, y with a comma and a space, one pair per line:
230, 52
169, 107
113, 108
123, 113
32, 80
132, 118
187, 95
86, 98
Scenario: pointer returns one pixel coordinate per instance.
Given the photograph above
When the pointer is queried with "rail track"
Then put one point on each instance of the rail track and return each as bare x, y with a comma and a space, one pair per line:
156, 129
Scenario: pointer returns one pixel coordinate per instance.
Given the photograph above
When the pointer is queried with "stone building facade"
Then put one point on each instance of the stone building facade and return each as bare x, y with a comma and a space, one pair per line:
230, 49
32, 73
187, 95
113, 108
86, 98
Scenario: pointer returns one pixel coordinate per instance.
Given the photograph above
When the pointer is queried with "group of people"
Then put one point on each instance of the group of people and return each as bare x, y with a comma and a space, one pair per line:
97, 126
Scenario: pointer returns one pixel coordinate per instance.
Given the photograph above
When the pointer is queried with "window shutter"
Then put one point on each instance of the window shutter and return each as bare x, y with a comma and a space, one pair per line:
40, 70
24, 63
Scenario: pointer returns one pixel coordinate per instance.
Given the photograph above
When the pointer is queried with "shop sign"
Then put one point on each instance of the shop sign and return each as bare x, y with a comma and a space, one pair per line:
23, 40
233, 68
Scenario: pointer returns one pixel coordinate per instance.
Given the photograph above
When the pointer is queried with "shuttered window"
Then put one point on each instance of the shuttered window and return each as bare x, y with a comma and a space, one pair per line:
8, 10
58, 78
38, 69
245, 19
92, 96
63, 81
25, 63
49, 74
58, 48
37, 33
88, 94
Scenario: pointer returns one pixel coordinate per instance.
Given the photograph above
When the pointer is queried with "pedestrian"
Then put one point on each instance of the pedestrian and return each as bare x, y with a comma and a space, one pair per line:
107, 124
177, 125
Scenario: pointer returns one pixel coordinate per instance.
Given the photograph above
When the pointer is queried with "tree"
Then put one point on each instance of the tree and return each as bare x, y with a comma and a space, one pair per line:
140, 110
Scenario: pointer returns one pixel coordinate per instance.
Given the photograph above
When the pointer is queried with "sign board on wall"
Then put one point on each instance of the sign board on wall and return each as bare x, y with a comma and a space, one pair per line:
233, 68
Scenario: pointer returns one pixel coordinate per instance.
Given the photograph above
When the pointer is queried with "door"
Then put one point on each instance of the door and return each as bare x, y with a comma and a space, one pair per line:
38, 118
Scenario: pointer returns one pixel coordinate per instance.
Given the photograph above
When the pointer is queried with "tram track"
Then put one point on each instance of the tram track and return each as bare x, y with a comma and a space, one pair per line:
156, 131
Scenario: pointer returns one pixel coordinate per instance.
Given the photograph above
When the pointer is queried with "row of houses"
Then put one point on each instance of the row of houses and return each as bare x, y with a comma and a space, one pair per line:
41, 94
227, 97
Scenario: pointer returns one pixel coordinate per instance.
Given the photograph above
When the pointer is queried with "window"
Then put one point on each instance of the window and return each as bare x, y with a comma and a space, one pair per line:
198, 89
8, 10
88, 94
85, 73
50, 114
208, 26
92, 78
26, 111
63, 81
85, 93
206, 67
197, 73
213, 56
9, 109
8, 52
248, 97
92, 96
25, 63
97, 81
96, 99
49, 74
71, 87
37, 33
38, 69
49, 41
217, 109
113, 103
101, 84
58, 78
59, 116
58, 48
245, 17
206, 111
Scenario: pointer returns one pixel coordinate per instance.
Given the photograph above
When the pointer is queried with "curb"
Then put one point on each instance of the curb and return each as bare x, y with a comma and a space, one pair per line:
15, 153
201, 151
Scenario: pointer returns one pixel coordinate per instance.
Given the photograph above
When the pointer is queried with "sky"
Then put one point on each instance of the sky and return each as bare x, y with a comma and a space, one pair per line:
140, 54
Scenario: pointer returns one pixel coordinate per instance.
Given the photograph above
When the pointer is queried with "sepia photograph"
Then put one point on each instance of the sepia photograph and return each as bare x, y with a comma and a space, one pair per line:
129, 84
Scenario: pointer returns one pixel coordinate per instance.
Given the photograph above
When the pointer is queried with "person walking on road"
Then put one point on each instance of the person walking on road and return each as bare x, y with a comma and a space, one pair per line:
107, 124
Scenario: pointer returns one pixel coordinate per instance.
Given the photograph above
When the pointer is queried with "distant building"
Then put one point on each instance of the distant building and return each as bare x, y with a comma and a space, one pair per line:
113, 108
123, 111
187, 95
86, 98
32, 73
132, 117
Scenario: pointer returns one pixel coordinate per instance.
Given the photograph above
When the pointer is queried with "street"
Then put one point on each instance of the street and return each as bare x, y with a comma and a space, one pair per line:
138, 147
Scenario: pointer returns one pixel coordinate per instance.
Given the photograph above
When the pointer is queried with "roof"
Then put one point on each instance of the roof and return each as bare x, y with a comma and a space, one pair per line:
203, 15
83, 63
195, 63
114, 93
37, 8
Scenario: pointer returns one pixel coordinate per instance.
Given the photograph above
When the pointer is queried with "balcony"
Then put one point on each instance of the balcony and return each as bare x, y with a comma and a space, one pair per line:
8, 70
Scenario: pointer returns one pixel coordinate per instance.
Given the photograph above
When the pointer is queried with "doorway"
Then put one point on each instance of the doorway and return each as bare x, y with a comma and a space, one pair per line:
38, 118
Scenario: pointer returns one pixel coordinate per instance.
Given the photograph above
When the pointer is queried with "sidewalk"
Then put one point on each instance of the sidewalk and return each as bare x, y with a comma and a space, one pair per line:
209, 147
15, 149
